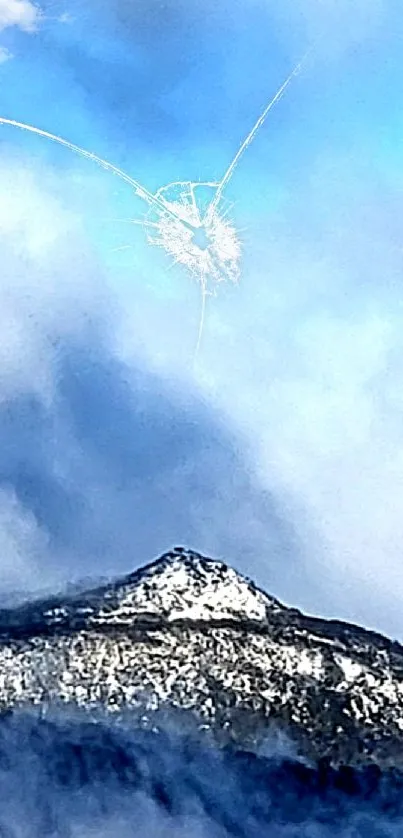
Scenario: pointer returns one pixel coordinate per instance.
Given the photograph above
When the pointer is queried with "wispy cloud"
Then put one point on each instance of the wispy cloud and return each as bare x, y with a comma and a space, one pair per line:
5, 55
21, 13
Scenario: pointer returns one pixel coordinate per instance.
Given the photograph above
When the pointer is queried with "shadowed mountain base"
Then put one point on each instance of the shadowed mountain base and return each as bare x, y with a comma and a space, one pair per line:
71, 777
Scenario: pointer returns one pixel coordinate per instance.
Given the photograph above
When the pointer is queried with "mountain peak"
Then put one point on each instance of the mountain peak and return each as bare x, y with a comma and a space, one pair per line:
184, 585
191, 633
181, 585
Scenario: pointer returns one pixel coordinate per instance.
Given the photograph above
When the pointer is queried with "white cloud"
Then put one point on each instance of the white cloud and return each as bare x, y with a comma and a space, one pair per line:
21, 544
21, 13
50, 288
65, 17
5, 55
49, 279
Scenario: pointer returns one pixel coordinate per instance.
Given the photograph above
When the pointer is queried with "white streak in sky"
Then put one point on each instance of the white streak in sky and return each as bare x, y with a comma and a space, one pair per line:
258, 124
140, 190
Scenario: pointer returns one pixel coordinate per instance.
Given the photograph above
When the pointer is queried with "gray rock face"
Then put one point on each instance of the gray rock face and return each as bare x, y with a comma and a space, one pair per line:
191, 633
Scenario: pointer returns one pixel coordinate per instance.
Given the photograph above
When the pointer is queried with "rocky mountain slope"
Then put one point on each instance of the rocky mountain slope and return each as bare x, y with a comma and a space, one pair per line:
190, 633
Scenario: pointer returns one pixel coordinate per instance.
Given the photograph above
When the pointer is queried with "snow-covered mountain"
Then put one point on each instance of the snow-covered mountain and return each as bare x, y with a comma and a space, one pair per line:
190, 633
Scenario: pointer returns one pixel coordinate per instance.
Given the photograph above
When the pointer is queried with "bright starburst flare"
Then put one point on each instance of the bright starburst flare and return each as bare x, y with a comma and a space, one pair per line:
206, 243
187, 219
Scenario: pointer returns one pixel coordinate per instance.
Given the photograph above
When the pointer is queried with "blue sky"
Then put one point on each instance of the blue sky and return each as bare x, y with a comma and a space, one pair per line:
281, 449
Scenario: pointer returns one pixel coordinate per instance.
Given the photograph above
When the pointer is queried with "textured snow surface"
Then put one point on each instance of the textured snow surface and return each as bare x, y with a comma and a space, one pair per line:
185, 585
181, 585
190, 633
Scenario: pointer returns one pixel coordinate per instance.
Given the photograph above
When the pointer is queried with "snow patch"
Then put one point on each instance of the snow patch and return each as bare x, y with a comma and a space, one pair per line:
183, 585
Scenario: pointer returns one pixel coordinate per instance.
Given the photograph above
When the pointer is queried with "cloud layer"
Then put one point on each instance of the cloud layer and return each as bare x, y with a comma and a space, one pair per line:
104, 464
282, 449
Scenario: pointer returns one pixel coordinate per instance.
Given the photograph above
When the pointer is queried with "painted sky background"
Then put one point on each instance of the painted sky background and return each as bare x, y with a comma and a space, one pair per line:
282, 450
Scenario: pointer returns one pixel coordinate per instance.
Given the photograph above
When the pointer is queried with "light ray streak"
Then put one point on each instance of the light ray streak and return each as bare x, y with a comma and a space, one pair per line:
251, 136
201, 325
141, 191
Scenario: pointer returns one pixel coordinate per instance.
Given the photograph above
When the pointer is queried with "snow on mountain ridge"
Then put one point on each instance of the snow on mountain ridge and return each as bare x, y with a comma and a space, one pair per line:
183, 585
190, 633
